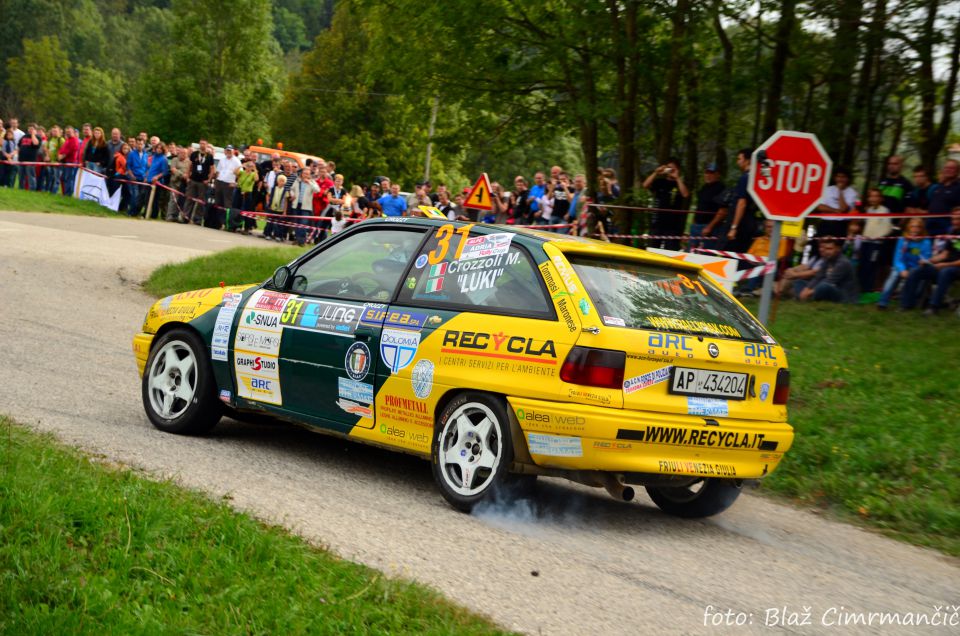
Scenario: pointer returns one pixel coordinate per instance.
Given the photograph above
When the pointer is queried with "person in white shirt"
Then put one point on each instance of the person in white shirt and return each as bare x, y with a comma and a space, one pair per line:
839, 198
225, 183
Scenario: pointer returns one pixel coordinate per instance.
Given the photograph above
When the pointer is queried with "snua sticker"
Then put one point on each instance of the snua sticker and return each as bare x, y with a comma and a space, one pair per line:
398, 348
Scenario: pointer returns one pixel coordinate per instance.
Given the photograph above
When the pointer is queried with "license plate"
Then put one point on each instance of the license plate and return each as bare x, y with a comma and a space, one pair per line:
706, 383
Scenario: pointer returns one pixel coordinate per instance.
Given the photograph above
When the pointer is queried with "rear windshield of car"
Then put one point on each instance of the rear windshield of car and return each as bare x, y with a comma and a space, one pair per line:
642, 296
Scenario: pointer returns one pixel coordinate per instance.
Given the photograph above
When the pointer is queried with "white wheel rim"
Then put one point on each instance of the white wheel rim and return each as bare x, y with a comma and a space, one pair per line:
470, 449
172, 380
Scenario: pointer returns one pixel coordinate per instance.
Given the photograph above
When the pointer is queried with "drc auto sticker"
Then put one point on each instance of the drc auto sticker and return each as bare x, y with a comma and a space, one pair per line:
221, 328
398, 348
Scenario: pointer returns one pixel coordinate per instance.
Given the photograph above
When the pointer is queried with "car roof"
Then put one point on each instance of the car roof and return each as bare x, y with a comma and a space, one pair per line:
564, 242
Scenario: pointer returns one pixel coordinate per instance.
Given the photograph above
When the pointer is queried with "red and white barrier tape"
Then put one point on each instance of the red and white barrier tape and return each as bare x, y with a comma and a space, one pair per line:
753, 272
737, 255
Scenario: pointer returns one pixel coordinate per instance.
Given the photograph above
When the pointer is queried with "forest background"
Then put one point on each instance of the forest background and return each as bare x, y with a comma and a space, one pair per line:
503, 86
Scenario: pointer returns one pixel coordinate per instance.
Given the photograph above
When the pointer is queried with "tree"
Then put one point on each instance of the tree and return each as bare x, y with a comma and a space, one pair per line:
221, 77
41, 77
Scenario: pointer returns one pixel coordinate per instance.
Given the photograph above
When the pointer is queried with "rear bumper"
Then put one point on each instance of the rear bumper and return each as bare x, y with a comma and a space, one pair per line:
578, 437
141, 349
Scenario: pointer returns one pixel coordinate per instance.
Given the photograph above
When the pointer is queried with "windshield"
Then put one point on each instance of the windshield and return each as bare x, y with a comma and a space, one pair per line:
642, 296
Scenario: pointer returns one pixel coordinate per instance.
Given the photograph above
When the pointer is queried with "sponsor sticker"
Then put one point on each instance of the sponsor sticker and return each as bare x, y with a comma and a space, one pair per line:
637, 383
764, 391
262, 366
421, 261
339, 319
225, 395
355, 409
254, 341
486, 245
357, 361
707, 406
355, 391
584, 307
614, 321
259, 389
221, 328
769, 340
554, 445
421, 379
270, 301
398, 348
565, 274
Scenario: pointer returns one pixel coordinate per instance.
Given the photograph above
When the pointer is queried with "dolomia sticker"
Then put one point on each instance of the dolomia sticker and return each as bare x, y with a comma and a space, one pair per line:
632, 385
554, 445
221, 328
398, 348
421, 379
357, 361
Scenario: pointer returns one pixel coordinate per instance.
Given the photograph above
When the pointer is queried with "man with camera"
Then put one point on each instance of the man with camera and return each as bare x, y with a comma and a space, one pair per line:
669, 193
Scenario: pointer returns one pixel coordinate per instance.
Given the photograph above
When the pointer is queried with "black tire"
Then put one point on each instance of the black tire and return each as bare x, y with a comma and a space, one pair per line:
703, 498
190, 412
484, 481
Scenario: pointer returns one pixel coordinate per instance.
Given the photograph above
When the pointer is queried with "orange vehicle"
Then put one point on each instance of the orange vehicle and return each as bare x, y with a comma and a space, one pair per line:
264, 153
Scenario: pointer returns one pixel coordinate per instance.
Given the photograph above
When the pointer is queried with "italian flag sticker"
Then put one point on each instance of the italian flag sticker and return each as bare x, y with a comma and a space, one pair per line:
435, 277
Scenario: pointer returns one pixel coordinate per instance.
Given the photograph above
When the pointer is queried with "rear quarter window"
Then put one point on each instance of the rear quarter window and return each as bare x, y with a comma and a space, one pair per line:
468, 271
645, 296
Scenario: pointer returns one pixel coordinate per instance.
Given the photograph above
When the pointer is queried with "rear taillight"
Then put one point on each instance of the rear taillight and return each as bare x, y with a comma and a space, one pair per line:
594, 367
782, 392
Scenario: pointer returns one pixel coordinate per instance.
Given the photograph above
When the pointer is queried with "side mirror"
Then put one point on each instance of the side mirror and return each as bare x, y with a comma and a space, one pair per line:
281, 277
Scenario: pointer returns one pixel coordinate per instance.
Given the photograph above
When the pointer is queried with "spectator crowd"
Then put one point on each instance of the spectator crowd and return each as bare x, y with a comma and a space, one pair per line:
840, 259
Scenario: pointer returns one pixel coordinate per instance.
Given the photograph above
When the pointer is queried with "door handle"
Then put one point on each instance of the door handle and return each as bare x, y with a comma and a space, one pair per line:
365, 337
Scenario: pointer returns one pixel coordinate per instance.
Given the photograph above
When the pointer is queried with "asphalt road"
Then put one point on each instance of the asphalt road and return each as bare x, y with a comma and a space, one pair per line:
573, 562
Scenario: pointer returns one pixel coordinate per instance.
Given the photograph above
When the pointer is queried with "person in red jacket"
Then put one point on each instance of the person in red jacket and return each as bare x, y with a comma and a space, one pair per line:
321, 199
69, 153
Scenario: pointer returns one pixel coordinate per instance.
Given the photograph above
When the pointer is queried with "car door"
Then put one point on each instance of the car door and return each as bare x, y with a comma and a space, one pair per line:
327, 329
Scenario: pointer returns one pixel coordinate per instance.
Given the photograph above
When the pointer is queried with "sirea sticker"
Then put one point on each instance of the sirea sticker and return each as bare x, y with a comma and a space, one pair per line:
421, 379
632, 385
398, 348
357, 361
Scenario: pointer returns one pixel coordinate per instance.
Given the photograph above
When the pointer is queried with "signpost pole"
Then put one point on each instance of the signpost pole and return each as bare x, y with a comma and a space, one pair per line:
768, 279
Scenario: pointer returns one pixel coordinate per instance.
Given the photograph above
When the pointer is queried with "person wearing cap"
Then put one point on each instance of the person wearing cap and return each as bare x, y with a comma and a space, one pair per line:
225, 181
709, 213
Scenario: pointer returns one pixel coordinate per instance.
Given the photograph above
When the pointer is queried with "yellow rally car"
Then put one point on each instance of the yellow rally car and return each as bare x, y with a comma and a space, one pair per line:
499, 354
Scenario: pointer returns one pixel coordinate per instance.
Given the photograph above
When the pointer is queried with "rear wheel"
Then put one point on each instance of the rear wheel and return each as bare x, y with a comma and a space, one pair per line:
472, 449
178, 389
702, 498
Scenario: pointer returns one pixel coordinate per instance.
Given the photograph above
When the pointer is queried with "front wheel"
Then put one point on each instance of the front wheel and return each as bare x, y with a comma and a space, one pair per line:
702, 498
472, 449
178, 388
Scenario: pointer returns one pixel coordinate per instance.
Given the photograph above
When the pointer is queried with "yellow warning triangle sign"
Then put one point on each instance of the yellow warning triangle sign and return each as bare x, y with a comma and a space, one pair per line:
479, 197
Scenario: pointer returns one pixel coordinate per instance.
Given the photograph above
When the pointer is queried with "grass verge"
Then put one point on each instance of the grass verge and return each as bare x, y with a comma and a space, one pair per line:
26, 201
873, 399
85, 548
234, 267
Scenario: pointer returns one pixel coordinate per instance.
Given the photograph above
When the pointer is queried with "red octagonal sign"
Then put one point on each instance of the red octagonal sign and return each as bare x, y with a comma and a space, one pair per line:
788, 175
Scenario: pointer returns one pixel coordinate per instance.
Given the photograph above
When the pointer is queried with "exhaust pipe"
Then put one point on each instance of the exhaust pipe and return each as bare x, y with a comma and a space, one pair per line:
617, 489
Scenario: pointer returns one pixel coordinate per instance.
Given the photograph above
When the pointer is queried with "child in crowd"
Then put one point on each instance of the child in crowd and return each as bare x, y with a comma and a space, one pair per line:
911, 248
338, 223
275, 205
870, 247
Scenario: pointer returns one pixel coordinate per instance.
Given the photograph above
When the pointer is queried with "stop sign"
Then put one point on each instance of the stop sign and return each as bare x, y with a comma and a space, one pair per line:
788, 175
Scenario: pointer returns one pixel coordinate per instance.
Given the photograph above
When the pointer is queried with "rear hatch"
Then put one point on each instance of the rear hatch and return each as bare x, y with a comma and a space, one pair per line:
690, 347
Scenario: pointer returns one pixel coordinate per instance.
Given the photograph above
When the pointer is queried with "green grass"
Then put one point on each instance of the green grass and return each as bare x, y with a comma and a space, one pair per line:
27, 201
90, 549
234, 267
874, 400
